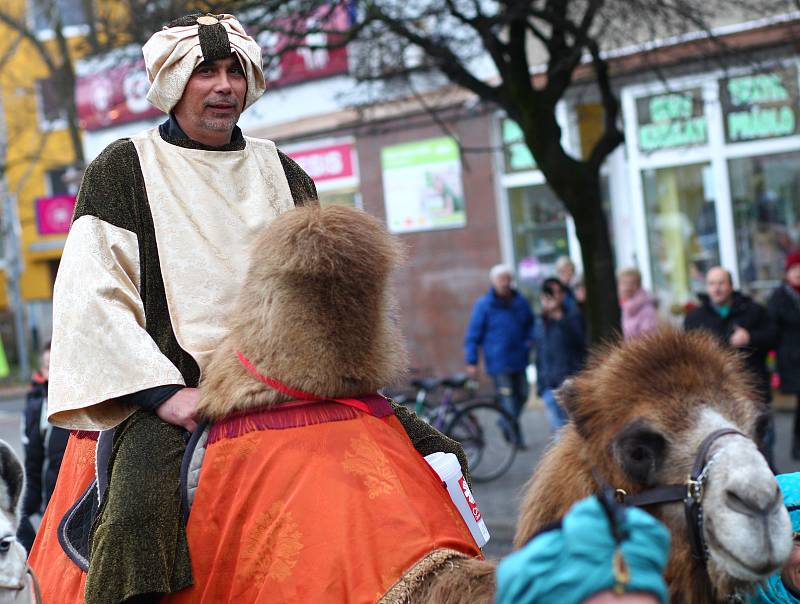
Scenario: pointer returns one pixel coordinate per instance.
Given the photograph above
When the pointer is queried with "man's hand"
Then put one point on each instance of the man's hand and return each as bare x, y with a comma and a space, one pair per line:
472, 370
739, 338
180, 409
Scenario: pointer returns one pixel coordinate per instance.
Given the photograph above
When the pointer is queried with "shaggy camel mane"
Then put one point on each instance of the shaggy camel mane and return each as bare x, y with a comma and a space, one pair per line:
315, 312
658, 382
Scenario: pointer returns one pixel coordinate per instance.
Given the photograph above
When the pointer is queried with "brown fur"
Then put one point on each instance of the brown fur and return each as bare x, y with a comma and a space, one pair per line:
662, 378
459, 582
315, 313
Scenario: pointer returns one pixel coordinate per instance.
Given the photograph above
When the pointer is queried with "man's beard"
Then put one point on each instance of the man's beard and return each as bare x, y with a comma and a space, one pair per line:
221, 123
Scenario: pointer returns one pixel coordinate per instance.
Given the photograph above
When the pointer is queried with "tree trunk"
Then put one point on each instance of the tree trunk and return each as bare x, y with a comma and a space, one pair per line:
601, 310
577, 184
66, 82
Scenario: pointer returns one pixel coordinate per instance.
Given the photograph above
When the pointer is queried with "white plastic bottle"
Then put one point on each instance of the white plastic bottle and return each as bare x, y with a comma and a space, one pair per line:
449, 470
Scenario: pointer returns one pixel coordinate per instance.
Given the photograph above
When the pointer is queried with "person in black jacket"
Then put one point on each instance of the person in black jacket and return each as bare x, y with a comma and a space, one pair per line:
742, 324
784, 309
44, 448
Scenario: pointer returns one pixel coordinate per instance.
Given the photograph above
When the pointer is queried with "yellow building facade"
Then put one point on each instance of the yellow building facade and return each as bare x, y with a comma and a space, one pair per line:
39, 165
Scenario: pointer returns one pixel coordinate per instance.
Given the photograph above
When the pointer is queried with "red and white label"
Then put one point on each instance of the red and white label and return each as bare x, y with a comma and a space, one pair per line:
473, 506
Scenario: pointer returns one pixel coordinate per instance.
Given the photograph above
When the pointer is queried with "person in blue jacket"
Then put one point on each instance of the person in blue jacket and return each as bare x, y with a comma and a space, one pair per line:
560, 342
501, 324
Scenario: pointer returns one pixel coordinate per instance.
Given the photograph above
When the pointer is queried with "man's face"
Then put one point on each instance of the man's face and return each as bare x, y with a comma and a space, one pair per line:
718, 286
609, 597
502, 284
213, 98
791, 571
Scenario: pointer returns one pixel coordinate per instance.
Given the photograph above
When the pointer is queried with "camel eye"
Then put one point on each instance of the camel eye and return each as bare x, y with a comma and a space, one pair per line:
640, 451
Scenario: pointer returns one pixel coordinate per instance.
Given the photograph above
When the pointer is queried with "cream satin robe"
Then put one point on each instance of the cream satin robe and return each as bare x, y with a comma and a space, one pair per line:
207, 206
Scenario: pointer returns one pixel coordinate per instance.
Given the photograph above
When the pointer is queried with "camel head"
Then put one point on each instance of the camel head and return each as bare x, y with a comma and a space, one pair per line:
12, 553
640, 413
315, 312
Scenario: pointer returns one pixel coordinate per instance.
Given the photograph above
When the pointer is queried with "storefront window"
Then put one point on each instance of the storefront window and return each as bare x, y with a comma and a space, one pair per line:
682, 231
766, 208
540, 235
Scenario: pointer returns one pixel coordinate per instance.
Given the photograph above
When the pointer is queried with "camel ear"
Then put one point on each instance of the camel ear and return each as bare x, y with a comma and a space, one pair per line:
567, 396
12, 479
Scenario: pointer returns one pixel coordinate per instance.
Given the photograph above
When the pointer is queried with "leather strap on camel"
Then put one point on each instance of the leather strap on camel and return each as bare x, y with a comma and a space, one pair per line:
690, 492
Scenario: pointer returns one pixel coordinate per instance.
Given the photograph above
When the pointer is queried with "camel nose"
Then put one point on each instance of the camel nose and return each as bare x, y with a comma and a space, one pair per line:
751, 503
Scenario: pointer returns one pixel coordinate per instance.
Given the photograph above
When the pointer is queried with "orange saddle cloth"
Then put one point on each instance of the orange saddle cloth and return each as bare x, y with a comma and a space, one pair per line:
317, 502
61, 580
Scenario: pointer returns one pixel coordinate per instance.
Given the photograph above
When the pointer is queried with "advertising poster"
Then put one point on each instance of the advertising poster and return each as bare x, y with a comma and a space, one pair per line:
422, 186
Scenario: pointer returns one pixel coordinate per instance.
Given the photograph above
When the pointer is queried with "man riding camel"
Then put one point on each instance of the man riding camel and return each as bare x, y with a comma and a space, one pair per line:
154, 259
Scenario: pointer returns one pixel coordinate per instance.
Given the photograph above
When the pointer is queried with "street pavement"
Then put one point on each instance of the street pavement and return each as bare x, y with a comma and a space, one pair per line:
499, 500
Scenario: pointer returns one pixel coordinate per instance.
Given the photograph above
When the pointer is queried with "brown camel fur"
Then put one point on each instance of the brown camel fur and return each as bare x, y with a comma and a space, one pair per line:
316, 313
659, 381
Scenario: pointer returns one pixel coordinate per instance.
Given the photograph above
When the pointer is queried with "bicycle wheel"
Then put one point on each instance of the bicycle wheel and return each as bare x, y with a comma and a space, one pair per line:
490, 438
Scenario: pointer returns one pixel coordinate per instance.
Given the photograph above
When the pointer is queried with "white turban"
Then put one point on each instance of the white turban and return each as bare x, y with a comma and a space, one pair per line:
172, 54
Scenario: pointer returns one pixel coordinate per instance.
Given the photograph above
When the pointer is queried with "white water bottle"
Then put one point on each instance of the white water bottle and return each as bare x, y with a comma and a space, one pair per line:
449, 470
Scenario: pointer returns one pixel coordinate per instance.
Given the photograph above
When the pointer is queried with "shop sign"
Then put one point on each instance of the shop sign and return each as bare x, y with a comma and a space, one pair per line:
422, 187
118, 95
326, 163
114, 96
762, 105
54, 214
671, 120
517, 156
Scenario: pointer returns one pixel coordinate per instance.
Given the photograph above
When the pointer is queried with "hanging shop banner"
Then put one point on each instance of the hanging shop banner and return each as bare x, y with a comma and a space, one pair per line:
54, 214
671, 120
762, 105
422, 186
114, 96
517, 156
328, 162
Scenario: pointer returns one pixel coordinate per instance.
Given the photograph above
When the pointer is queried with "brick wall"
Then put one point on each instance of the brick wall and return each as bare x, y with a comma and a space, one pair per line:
447, 269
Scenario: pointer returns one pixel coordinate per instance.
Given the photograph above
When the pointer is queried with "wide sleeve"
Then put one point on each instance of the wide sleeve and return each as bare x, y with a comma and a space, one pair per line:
100, 348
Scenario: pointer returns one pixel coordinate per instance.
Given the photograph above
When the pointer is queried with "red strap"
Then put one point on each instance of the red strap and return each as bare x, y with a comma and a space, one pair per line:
299, 394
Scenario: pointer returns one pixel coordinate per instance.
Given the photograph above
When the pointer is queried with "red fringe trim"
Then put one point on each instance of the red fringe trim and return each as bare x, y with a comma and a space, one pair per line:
294, 414
88, 434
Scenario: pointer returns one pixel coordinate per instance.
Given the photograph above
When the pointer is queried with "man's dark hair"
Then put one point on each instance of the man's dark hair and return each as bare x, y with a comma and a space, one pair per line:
551, 286
46, 347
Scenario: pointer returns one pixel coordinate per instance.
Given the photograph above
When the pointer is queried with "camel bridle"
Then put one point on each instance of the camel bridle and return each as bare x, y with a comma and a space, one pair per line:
690, 492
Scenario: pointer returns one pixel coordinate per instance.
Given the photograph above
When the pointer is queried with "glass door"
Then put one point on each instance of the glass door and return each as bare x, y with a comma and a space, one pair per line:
682, 231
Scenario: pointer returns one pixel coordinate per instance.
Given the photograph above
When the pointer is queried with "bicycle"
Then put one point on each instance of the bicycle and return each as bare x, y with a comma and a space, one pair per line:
489, 435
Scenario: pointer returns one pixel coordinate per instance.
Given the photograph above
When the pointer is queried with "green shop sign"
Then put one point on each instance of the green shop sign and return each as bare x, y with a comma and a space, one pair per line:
760, 105
671, 120
515, 152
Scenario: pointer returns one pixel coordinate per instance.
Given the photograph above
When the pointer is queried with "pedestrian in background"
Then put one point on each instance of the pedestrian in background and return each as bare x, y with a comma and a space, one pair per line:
560, 343
741, 324
501, 325
784, 309
572, 283
638, 307
44, 446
